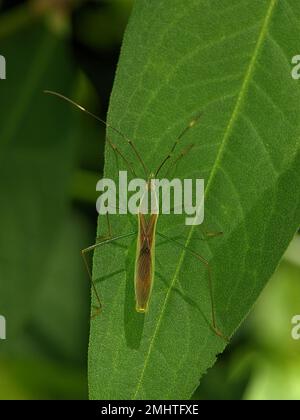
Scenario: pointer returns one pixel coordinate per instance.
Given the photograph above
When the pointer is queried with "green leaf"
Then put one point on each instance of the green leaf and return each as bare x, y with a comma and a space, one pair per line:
230, 60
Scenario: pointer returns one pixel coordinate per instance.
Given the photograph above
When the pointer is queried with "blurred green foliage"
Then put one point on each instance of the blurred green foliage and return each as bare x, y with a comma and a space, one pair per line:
50, 159
263, 361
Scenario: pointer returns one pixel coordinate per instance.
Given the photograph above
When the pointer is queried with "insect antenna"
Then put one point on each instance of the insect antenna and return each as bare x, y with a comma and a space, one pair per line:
191, 124
59, 95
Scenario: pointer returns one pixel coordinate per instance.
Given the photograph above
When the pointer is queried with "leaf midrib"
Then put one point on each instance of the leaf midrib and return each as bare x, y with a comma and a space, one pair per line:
228, 130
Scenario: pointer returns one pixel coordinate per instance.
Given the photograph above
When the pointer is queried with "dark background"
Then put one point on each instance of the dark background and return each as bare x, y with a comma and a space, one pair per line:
51, 159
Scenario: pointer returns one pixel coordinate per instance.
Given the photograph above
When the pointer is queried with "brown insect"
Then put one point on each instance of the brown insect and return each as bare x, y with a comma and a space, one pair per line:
146, 234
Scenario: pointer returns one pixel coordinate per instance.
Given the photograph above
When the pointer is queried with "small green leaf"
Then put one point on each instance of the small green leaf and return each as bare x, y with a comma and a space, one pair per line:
230, 60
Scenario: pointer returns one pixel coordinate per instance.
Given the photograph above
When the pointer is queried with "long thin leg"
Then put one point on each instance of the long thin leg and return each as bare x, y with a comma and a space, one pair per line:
118, 208
91, 248
209, 235
191, 124
210, 285
117, 151
130, 142
109, 228
109, 231
206, 235
182, 154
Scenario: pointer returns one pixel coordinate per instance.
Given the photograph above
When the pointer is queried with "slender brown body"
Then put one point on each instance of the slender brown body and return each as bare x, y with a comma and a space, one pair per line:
145, 260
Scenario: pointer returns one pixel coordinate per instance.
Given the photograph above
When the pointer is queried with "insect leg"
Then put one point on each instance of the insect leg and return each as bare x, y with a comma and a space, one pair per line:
206, 235
118, 152
109, 231
130, 142
191, 124
91, 248
210, 284
182, 154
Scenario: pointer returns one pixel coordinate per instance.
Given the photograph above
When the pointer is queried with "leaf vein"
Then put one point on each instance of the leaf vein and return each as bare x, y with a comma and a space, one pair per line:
243, 92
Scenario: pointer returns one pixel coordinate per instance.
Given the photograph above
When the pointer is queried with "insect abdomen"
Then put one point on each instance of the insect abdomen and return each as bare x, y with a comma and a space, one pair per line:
143, 279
